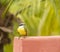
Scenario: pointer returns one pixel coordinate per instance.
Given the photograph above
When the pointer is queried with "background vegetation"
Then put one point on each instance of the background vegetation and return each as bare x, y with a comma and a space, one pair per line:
42, 17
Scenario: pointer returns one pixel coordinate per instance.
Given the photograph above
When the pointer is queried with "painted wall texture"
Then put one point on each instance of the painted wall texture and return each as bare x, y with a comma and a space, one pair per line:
37, 44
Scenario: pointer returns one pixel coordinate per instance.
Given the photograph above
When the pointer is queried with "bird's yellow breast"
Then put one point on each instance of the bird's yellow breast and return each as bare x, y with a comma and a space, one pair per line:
21, 31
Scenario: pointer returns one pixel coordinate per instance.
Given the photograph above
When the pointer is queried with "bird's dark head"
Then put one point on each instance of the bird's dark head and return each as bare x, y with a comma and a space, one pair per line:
21, 24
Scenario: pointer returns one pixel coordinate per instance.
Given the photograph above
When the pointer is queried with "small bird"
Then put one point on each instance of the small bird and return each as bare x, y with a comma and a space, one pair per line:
22, 30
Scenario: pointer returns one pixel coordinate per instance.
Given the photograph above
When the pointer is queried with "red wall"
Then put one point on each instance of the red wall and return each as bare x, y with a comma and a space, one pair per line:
37, 44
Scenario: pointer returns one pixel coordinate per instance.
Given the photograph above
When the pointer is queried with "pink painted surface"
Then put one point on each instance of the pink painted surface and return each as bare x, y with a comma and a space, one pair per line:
16, 44
37, 44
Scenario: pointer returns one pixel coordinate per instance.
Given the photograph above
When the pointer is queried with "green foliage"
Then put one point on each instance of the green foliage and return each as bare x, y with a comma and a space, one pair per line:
7, 7
41, 18
4, 2
9, 47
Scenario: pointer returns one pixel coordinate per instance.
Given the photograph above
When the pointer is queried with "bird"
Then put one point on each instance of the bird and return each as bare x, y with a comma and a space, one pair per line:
22, 30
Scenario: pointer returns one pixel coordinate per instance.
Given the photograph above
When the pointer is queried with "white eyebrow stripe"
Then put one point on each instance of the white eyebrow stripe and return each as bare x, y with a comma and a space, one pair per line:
21, 26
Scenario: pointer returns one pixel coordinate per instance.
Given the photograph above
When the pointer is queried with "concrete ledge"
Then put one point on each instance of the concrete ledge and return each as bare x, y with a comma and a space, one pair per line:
37, 44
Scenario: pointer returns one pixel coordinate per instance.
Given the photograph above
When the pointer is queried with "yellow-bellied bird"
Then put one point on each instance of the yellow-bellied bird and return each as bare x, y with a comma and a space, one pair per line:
22, 30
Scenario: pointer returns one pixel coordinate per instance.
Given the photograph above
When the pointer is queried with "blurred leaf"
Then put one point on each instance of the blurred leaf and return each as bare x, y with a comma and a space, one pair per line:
6, 9
4, 2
